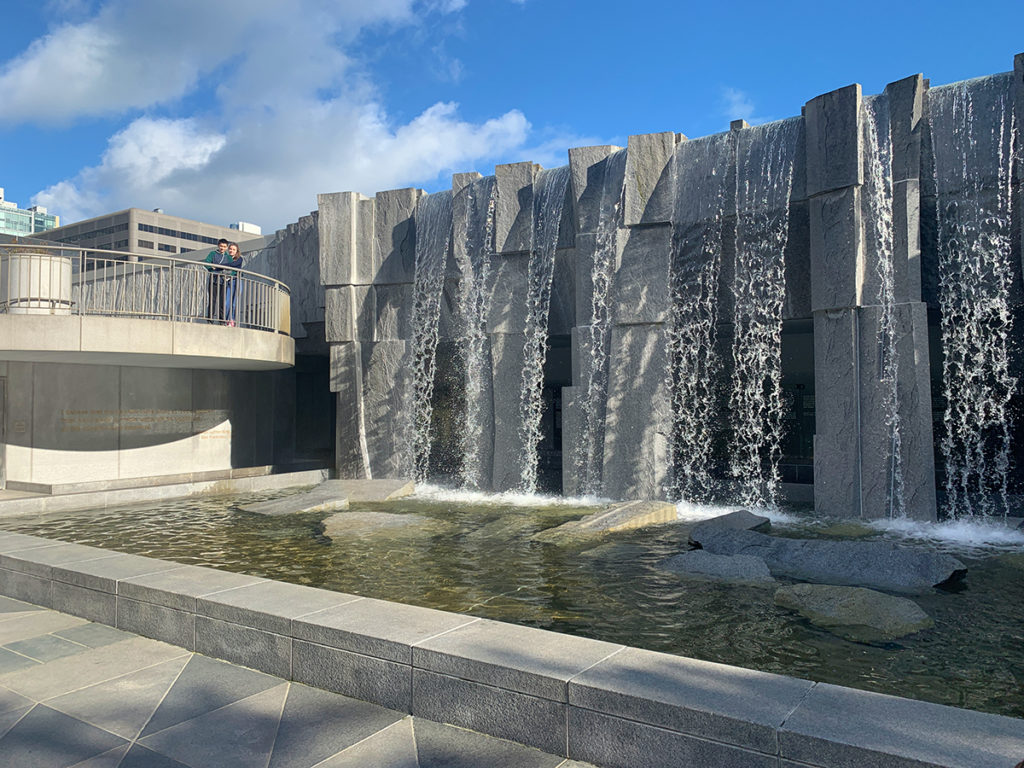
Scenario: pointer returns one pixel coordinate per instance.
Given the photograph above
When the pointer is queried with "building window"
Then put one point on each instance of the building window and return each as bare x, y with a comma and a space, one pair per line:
166, 247
145, 243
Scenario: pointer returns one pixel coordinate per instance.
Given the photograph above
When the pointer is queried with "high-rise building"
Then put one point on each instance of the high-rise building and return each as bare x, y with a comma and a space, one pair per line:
145, 233
24, 222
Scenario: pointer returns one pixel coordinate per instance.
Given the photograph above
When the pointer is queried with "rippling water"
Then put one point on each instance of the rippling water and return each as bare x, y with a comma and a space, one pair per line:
479, 559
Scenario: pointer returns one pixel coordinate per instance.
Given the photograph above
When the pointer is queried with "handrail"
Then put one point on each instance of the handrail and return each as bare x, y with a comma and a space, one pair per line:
63, 280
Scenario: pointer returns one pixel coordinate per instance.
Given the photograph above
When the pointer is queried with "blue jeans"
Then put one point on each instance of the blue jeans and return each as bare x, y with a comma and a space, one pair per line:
232, 298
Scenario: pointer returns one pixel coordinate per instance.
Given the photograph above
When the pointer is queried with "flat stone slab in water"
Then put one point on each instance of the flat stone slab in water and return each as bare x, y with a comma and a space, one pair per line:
740, 520
878, 564
855, 613
624, 516
334, 495
745, 569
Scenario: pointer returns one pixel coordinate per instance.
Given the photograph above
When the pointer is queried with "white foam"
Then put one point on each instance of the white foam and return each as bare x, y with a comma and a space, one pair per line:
964, 533
691, 512
432, 492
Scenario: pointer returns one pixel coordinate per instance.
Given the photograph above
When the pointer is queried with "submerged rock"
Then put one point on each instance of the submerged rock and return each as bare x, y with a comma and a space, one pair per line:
855, 613
745, 569
350, 524
740, 520
333, 495
848, 529
624, 516
879, 564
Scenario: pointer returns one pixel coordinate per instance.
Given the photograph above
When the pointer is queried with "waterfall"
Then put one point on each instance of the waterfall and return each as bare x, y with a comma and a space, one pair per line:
590, 456
473, 263
972, 131
764, 177
701, 183
433, 236
549, 199
878, 194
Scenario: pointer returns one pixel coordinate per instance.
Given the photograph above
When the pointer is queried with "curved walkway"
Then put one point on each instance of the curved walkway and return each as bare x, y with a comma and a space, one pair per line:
75, 693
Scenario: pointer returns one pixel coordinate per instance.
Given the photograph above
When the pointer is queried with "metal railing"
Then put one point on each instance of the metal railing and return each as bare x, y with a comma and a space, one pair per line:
58, 280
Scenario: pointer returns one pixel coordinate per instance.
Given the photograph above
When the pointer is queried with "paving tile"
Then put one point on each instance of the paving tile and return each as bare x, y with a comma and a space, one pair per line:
39, 561
46, 648
12, 716
10, 605
12, 662
10, 541
445, 746
36, 624
10, 700
392, 747
124, 705
140, 757
203, 686
316, 725
239, 735
45, 738
180, 587
94, 635
90, 667
103, 575
110, 759
269, 605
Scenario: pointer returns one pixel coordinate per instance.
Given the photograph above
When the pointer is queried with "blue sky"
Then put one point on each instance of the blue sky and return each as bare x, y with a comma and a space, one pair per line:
227, 110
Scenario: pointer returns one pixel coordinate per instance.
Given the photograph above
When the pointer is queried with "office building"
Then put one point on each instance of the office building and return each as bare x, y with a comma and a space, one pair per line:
24, 222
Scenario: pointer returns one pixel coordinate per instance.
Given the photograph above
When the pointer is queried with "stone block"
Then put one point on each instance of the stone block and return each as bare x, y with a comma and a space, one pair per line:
89, 604
376, 628
641, 291
269, 605
798, 263
906, 221
507, 290
386, 372
346, 379
602, 740
562, 311
511, 657
732, 705
22, 586
158, 622
637, 424
39, 561
906, 108
180, 587
649, 180
536, 722
836, 438
10, 541
837, 249
833, 140
393, 305
507, 380
102, 575
837, 726
395, 235
596, 180
254, 648
1018, 100
352, 674
346, 242
573, 402
513, 213
350, 313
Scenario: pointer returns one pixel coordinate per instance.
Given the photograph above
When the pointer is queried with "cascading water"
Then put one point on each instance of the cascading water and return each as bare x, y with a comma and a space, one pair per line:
764, 177
879, 242
701, 183
549, 191
972, 132
473, 303
589, 458
433, 236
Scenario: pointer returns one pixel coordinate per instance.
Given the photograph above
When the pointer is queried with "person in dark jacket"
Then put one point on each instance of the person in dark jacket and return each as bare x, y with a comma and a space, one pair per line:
217, 284
232, 285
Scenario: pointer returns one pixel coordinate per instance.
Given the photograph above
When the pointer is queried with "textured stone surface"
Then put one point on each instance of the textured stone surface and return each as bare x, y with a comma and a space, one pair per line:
833, 140
508, 286
513, 213
590, 168
836, 255
346, 243
739, 568
837, 726
854, 613
350, 313
641, 281
385, 380
624, 516
314, 501
395, 235
637, 424
507, 376
649, 182
878, 564
740, 520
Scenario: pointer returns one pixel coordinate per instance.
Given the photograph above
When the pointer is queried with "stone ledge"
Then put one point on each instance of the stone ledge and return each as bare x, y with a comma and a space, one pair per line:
586, 699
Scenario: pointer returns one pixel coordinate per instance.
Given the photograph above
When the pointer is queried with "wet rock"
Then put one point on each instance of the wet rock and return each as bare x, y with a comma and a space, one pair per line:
878, 564
357, 491
625, 516
740, 520
745, 569
854, 613
353, 524
847, 530
334, 495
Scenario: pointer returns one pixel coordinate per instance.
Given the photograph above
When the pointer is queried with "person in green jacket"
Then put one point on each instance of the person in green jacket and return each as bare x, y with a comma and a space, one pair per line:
215, 306
233, 286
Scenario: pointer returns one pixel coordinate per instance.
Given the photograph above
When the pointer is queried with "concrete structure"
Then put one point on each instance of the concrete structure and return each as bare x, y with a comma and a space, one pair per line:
603, 703
837, 399
145, 233
23, 223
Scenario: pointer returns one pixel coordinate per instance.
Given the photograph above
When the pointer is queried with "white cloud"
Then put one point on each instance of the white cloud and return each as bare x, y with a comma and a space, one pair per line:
737, 105
293, 115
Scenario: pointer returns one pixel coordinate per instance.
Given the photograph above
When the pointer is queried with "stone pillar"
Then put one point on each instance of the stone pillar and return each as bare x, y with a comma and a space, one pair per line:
852, 445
